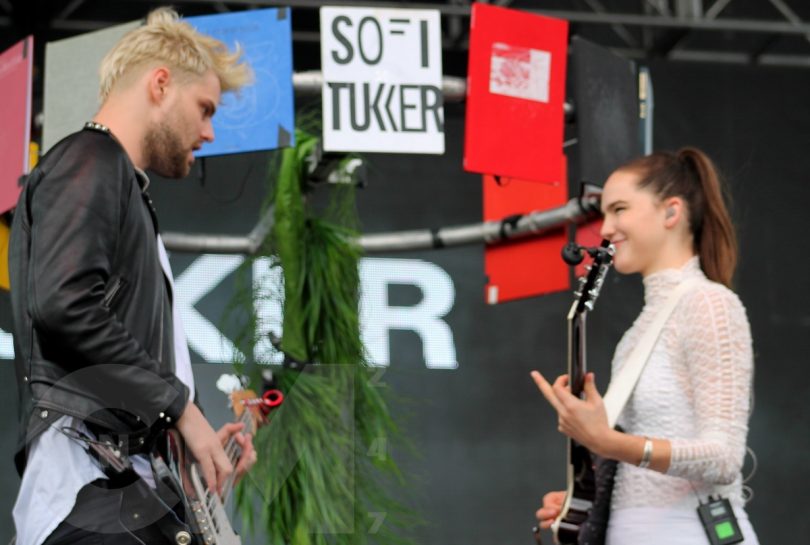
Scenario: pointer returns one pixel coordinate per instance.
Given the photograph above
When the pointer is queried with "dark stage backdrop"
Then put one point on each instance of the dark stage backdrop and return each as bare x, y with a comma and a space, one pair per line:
486, 441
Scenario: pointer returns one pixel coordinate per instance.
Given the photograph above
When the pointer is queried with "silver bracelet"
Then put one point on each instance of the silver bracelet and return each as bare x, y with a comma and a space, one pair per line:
646, 456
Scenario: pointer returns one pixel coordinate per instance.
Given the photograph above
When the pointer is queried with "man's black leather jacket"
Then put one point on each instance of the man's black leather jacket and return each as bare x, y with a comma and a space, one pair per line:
92, 308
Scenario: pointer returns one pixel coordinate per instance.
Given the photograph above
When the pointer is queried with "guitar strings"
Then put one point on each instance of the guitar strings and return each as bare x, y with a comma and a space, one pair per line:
233, 452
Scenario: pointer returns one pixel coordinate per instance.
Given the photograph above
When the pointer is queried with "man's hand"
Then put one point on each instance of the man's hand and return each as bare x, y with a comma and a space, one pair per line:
245, 442
206, 446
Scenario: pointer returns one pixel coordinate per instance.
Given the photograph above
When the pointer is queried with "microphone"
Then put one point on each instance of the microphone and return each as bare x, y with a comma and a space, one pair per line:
573, 253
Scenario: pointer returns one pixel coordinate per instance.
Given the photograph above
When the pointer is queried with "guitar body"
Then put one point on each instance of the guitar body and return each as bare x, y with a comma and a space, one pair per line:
594, 530
584, 515
180, 482
180, 509
145, 513
154, 521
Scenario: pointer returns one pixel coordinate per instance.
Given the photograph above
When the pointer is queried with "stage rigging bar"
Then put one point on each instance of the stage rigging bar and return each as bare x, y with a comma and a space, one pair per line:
577, 211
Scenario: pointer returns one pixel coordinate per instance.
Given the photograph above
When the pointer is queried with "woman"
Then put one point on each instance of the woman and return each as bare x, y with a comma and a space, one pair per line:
687, 419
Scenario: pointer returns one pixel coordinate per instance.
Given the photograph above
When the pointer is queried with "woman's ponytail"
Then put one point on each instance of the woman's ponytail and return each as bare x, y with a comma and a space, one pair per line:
715, 240
691, 175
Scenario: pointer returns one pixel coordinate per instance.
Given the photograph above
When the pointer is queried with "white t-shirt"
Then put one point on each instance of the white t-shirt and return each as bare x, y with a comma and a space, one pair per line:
48, 490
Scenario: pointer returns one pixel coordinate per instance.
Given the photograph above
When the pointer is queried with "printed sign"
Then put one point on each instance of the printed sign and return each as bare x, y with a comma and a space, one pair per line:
260, 116
382, 72
379, 316
520, 72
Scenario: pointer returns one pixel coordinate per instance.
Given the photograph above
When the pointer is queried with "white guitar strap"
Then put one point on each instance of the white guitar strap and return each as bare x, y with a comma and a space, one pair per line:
622, 385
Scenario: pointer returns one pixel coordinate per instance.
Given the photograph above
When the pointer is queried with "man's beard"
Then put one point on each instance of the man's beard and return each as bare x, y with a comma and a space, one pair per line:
164, 152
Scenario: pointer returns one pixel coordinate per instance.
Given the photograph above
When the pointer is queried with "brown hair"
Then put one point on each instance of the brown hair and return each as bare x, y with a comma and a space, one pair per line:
166, 39
692, 176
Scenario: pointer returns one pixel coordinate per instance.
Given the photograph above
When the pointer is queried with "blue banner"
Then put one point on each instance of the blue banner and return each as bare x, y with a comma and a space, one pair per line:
259, 117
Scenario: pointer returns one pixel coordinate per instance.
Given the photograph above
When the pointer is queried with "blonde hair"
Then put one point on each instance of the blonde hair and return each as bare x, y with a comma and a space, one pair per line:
166, 39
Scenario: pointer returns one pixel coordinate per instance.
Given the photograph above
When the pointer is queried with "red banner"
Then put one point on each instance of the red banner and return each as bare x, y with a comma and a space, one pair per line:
15, 110
515, 94
525, 267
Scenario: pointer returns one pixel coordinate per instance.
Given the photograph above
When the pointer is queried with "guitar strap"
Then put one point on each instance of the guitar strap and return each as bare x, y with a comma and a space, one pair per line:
623, 384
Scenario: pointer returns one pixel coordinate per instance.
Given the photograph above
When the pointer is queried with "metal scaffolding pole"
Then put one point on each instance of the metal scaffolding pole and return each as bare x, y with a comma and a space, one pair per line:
222, 244
576, 211
455, 10
663, 18
454, 89
629, 19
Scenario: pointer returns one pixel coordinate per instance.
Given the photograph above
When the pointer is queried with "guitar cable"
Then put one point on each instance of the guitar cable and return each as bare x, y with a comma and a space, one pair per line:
108, 455
748, 491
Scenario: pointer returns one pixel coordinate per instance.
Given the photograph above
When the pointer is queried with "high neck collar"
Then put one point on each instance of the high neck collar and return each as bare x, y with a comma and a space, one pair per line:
659, 285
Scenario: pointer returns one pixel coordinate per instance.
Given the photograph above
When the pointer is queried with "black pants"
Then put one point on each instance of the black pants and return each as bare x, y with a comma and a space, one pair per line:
98, 518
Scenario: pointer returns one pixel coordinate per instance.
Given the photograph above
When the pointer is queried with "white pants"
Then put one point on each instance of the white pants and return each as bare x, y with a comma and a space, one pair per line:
637, 525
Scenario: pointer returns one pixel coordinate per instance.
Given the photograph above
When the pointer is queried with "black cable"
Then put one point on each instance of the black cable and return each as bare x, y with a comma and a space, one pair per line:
436, 239
508, 226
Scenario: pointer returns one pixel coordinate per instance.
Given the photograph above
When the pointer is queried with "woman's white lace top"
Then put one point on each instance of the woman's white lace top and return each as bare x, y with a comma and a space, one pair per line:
695, 391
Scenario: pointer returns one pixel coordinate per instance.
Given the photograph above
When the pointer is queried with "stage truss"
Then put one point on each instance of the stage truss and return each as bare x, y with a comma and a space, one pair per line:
749, 32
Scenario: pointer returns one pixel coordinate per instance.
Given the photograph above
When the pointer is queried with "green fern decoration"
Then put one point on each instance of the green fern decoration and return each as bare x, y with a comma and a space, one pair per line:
325, 471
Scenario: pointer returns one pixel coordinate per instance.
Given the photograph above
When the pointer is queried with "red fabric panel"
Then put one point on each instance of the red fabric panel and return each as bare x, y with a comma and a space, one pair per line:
515, 93
525, 267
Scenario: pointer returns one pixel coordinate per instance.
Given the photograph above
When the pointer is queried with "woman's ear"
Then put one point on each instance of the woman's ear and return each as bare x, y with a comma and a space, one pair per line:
674, 211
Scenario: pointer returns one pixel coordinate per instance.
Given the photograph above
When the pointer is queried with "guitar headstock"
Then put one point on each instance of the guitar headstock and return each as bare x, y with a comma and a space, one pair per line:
244, 400
590, 285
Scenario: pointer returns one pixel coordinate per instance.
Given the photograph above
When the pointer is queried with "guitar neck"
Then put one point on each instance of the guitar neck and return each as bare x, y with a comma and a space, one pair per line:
577, 361
233, 451
581, 489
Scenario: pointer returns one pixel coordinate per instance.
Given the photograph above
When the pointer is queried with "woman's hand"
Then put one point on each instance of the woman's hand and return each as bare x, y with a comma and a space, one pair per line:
552, 504
583, 420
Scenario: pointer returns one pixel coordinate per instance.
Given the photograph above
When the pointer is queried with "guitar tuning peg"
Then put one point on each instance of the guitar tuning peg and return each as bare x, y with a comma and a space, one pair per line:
268, 380
272, 399
229, 384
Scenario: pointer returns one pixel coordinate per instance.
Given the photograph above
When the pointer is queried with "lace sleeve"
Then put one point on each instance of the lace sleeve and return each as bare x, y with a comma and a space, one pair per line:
716, 346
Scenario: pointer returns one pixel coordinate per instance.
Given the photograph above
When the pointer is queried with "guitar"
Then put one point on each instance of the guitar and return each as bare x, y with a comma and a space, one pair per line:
180, 483
584, 514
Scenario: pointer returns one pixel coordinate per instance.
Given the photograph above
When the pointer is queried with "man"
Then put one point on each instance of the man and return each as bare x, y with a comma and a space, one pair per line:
98, 350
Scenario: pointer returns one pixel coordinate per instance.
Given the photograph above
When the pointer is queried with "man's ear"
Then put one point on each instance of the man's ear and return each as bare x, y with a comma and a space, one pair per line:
159, 80
674, 211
